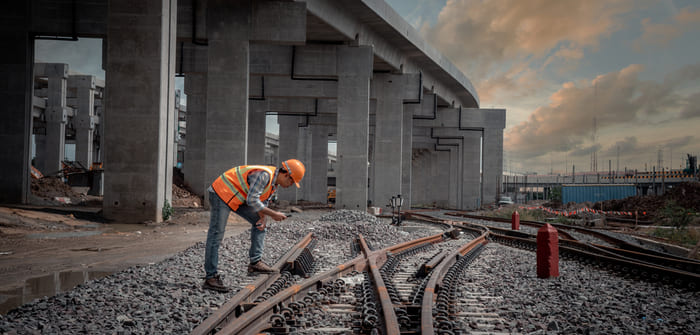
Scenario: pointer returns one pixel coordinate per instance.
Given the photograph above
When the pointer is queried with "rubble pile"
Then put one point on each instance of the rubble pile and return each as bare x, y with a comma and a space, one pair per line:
686, 195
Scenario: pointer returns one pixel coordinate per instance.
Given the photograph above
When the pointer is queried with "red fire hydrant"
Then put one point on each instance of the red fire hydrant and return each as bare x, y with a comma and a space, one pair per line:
515, 221
547, 252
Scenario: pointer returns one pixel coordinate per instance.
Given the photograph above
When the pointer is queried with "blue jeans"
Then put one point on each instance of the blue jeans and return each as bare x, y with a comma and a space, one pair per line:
217, 226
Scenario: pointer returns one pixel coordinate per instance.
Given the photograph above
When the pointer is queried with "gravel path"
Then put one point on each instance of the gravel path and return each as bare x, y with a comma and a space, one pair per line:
582, 300
167, 297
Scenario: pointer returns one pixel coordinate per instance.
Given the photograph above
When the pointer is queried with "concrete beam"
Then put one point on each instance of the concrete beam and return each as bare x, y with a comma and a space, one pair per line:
398, 44
270, 22
73, 18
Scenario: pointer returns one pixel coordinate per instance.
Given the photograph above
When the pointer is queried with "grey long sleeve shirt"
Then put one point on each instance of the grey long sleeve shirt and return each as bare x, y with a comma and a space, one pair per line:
257, 181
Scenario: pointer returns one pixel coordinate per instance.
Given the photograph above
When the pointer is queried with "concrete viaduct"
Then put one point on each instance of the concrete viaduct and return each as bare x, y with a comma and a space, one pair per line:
405, 119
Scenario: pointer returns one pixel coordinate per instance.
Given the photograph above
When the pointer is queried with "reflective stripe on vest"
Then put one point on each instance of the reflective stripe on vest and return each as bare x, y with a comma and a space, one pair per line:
232, 186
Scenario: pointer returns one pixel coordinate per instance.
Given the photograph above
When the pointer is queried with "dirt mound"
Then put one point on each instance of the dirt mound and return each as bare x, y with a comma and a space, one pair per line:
686, 195
53, 191
182, 194
184, 198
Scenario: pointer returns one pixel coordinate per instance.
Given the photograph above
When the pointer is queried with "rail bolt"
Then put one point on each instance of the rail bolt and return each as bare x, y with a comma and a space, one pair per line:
547, 252
515, 221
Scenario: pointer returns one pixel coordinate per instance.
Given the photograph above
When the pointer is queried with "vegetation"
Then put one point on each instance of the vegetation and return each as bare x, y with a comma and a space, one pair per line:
679, 218
556, 194
685, 237
167, 210
674, 215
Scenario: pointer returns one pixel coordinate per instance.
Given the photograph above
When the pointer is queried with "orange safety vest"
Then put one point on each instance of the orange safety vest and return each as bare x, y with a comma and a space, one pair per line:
232, 186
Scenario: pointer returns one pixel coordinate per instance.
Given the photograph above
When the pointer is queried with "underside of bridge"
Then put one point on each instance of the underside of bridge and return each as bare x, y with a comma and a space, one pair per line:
405, 119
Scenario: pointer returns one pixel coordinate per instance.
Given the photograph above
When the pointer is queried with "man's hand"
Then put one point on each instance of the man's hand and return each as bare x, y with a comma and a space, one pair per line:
277, 216
261, 224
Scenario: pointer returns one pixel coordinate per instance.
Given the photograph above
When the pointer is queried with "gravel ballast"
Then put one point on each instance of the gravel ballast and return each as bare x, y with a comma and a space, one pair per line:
167, 297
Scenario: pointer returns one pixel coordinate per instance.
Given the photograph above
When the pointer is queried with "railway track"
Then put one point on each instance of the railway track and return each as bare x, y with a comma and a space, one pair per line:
416, 287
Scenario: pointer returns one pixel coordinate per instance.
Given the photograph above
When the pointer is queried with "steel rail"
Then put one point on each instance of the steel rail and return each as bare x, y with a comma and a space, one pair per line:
256, 319
391, 322
233, 308
610, 239
429, 296
643, 269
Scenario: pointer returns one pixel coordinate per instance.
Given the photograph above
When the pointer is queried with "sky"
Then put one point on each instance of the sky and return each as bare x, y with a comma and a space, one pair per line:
616, 78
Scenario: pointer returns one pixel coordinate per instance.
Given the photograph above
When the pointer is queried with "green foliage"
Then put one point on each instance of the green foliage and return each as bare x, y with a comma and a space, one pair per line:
674, 215
684, 236
556, 194
167, 210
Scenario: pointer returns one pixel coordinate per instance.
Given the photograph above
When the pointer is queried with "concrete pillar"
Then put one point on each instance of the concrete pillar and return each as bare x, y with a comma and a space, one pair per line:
16, 63
304, 155
471, 177
139, 120
195, 147
407, 152
419, 169
388, 138
493, 164
316, 179
256, 135
51, 149
288, 148
227, 86
83, 120
454, 166
354, 72
438, 180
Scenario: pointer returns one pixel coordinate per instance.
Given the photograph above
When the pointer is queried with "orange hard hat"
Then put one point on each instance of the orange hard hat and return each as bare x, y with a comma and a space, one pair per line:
295, 168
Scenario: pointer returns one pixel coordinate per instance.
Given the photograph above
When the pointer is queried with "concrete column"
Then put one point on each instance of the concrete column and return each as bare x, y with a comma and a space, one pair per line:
316, 179
195, 147
354, 72
441, 178
493, 164
420, 172
139, 120
471, 178
407, 152
288, 148
256, 135
304, 150
228, 29
449, 167
16, 63
388, 137
84, 121
51, 149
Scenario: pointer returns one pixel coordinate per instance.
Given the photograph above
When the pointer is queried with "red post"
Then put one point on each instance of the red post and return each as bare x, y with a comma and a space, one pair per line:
515, 221
547, 252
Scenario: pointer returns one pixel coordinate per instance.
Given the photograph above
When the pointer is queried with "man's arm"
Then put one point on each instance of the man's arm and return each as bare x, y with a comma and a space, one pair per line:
257, 182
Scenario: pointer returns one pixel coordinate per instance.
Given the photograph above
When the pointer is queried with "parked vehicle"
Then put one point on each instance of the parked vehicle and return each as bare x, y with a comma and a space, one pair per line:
505, 201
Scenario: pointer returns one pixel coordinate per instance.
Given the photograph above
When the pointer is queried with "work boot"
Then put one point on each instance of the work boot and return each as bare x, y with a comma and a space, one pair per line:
215, 284
260, 267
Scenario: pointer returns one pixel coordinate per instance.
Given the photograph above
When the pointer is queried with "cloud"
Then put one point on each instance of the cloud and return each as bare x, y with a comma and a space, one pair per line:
585, 151
616, 99
679, 141
477, 35
628, 144
692, 107
656, 35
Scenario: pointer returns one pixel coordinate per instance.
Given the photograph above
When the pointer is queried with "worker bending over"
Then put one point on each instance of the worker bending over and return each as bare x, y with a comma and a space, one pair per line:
245, 190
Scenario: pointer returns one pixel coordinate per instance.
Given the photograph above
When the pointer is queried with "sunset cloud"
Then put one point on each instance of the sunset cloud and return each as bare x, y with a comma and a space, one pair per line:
478, 35
661, 34
613, 99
